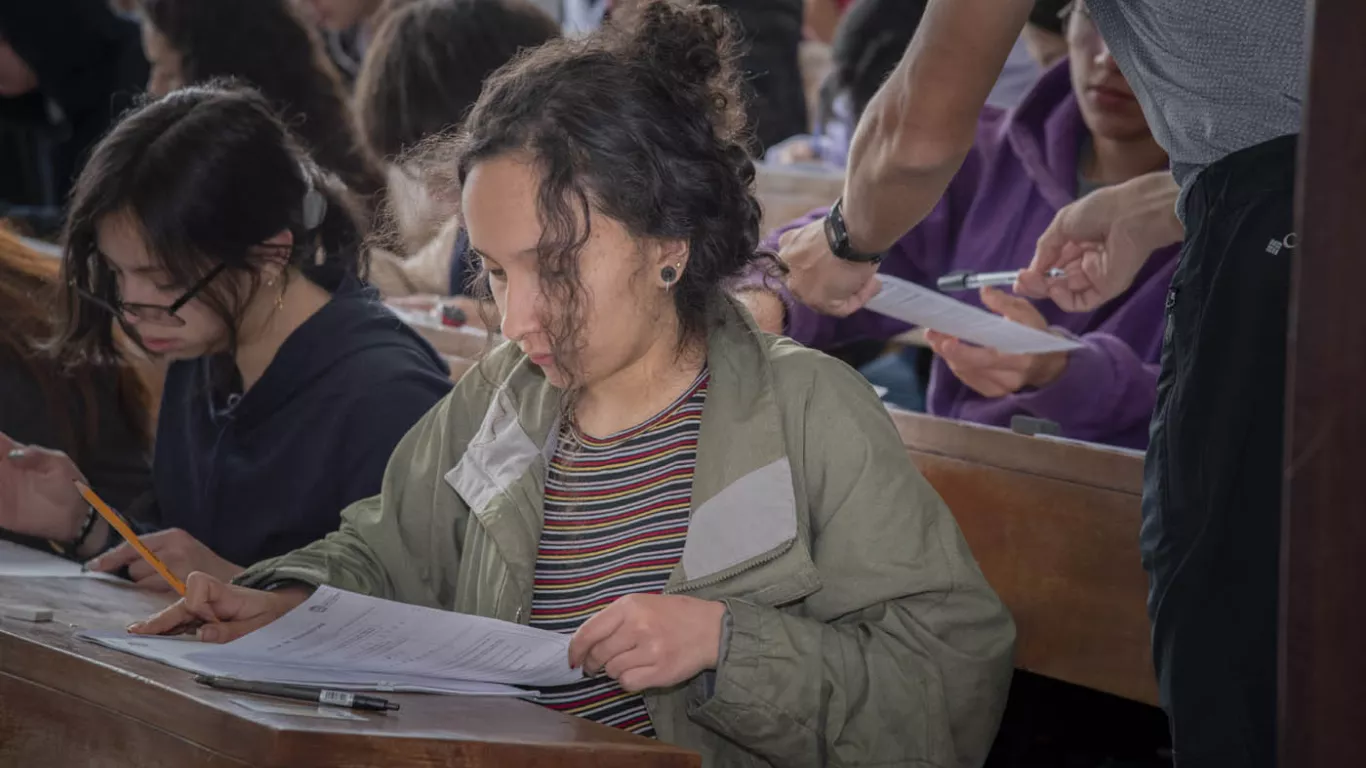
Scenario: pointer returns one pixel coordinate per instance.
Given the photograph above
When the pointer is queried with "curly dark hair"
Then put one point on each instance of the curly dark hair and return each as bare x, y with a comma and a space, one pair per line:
266, 44
644, 125
208, 173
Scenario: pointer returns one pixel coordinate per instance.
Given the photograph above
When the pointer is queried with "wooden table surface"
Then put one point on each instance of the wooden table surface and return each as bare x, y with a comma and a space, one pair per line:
65, 701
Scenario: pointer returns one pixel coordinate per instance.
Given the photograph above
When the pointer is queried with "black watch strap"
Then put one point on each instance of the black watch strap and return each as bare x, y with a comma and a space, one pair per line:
837, 237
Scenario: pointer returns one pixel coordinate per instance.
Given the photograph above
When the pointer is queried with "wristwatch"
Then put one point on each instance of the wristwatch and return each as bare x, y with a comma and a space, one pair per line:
837, 236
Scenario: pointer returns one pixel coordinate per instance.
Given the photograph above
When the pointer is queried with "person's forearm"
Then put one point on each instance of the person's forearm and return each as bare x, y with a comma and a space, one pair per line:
1154, 199
918, 128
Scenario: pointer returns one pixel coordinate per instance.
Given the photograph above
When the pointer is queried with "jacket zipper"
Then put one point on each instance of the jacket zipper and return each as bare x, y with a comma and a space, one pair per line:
733, 571
1170, 314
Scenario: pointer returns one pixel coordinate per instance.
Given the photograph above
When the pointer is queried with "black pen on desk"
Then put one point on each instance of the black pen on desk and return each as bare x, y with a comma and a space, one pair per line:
300, 693
971, 281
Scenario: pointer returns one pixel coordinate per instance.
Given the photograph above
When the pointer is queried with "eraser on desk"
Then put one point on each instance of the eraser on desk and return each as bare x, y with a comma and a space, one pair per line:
26, 613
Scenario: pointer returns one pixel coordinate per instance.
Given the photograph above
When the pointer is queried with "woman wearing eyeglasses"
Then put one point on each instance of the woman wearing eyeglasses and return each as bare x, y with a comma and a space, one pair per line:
202, 228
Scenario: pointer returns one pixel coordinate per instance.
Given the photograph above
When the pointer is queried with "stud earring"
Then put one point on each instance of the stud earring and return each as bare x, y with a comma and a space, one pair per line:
670, 274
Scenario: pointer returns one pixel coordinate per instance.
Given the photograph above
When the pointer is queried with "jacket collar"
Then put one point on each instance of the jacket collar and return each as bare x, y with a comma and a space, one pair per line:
744, 500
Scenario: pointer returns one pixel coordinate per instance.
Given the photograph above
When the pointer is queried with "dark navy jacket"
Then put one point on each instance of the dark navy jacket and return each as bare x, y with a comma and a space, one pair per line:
259, 474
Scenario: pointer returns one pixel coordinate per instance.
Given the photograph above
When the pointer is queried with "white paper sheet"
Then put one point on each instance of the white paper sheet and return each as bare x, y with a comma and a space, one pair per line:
926, 308
179, 652
345, 640
18, 560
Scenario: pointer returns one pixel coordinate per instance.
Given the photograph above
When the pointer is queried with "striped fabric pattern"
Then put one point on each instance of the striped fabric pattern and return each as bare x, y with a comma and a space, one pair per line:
616, 517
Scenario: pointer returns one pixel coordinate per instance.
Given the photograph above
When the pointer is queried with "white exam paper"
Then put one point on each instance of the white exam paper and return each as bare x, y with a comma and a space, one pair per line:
177, 652
26, 562
923, 307
351, 641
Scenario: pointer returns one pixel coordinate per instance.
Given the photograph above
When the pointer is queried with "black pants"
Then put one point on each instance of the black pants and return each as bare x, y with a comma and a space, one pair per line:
1212, 480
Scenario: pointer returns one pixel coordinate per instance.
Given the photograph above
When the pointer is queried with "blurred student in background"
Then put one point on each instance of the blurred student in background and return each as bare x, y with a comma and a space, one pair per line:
67, 68
264, 44
204, 229
422, 74
1078, 130
347, 28
867, 45
822, 18
771, 32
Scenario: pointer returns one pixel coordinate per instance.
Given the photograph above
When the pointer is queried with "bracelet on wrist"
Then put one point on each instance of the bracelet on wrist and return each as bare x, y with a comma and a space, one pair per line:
86, 528
70, 548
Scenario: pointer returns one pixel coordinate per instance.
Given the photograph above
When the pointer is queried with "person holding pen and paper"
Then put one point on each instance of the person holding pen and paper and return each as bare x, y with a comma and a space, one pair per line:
202, 227
726, 522
1222, 83
1078, 129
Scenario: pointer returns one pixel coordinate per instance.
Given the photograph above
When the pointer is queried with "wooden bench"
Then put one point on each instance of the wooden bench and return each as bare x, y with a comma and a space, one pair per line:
66, 702
1054, 526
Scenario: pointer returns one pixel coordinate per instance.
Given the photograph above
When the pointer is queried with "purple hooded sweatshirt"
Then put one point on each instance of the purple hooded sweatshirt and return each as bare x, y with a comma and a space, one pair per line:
1020, 172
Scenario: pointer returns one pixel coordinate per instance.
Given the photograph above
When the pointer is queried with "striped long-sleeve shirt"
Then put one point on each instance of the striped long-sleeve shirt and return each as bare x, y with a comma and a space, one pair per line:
616, 517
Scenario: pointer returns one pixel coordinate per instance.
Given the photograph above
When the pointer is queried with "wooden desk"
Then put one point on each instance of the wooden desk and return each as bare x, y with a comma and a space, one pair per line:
1054, 526
68, 702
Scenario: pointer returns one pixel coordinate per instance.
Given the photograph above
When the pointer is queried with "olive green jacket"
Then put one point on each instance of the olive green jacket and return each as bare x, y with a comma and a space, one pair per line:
862, 631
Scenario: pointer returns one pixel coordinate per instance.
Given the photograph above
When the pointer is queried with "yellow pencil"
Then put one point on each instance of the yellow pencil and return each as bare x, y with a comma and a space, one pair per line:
118, 524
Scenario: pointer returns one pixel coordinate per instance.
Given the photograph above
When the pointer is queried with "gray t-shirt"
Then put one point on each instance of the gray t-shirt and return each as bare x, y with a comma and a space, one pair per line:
1213, 76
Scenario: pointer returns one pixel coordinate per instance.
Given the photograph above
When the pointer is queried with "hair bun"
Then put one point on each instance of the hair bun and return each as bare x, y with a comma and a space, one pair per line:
691, 50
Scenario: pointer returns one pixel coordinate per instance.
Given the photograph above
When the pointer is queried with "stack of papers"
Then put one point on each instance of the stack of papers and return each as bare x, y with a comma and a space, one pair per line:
925, 308
21, 561
343, 640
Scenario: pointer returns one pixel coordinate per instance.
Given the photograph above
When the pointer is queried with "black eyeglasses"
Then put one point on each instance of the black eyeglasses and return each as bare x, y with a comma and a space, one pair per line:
155, 314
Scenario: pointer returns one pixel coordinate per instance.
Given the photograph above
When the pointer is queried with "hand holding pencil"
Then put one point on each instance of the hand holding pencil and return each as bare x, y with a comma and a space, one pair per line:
159, 560
120, 525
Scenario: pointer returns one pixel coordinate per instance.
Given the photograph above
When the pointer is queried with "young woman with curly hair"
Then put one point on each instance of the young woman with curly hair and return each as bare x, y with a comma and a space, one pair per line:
726, 522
